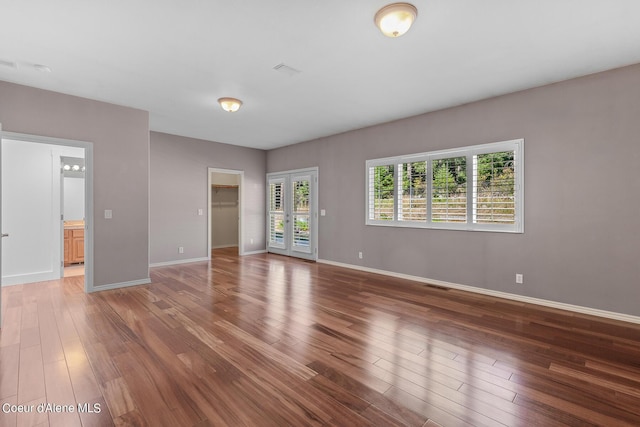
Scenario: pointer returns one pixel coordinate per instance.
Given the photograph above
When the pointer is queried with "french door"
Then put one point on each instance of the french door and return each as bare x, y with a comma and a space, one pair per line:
292, 222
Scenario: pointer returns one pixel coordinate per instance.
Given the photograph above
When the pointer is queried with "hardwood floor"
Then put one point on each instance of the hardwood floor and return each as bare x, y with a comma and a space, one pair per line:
265, 340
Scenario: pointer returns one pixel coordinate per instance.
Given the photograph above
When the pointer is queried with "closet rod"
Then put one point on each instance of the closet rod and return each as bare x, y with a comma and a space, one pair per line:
224, 186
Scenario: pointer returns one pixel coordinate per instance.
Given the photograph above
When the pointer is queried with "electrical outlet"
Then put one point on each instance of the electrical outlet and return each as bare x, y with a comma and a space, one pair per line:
251, 241
360, 255
180, 249
519, 279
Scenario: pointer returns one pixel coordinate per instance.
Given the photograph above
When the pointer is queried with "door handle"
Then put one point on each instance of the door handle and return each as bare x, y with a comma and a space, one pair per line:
5, 234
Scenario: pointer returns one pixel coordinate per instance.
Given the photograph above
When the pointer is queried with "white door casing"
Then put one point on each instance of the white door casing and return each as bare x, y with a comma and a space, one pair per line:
240, 175
2, 231
88, 189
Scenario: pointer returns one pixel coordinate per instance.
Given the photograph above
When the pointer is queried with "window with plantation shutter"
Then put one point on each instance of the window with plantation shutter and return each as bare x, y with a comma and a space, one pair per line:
381, 192
494, 189
449, 190
412, 190
300, 212
478, 188
276, 213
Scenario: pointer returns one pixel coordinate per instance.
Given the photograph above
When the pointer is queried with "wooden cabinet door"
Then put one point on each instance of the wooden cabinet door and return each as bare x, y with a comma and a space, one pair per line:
78, 245
67, 247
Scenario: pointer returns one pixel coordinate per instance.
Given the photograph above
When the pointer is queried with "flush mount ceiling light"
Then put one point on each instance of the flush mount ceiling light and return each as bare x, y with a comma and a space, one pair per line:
230, 104
395, 19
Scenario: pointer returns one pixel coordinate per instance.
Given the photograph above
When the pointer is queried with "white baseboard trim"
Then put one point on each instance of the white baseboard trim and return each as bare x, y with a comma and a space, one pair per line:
179, 261
21, 279
187, 261
224, 246
262, 251
521, 298
120, 285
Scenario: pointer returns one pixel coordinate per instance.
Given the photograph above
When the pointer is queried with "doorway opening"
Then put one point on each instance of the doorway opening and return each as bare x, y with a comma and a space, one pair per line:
40, 204
225, 210
73, 218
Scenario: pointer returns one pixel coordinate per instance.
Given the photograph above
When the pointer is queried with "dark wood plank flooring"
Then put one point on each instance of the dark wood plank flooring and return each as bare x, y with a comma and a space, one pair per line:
265, 340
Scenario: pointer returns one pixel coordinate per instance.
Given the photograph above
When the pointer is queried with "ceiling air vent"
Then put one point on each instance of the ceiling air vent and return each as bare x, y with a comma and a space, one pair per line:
9, 64
285, 69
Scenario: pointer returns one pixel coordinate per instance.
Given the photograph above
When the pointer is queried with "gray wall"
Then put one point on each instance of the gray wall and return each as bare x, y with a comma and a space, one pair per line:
179, 181
582, 151
120, 138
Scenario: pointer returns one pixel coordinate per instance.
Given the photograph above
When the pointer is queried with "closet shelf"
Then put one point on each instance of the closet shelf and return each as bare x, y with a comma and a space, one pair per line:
222, 204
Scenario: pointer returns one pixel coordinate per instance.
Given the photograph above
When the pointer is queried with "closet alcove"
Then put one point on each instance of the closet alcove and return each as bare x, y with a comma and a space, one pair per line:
224, 211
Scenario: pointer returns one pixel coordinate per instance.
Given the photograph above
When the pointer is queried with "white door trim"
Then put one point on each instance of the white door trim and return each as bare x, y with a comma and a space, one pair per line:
1, 231
88, 200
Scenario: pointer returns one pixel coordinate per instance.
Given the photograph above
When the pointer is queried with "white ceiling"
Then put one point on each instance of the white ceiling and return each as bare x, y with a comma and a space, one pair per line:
175, 58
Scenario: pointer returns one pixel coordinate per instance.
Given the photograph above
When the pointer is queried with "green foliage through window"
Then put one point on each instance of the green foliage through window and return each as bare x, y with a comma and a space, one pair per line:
449, 190
495, 188
413, 206
382, 184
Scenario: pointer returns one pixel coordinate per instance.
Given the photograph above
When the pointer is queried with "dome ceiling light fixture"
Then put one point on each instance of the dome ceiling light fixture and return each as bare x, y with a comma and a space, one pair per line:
230, 104
395, 19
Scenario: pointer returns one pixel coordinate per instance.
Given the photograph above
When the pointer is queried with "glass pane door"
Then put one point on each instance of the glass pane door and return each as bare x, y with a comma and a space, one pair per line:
301, 213
276, 238
292, 217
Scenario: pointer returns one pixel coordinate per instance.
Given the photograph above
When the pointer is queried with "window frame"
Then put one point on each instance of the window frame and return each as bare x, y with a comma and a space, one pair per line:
515, 145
